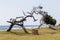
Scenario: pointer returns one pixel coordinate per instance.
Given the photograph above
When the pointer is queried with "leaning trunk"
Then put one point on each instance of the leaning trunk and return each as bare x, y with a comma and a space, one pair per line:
24, 29
10, 27
52, 28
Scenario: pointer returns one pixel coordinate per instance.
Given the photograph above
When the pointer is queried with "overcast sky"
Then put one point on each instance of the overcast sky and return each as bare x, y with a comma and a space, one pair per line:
13, 8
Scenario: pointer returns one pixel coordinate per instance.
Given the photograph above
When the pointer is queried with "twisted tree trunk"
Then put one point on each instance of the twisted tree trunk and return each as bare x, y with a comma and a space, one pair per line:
24, 29
10, 27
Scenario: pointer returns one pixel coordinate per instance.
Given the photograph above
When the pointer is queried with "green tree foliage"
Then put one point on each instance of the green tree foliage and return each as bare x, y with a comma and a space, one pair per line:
49, 20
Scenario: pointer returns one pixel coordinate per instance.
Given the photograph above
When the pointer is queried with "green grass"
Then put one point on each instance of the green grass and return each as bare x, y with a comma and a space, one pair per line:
44, 34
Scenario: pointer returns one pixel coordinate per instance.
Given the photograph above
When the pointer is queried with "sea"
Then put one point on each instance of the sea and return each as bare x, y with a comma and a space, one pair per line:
5, 27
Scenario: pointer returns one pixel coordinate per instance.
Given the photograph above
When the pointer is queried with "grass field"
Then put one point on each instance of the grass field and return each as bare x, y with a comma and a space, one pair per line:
44, 34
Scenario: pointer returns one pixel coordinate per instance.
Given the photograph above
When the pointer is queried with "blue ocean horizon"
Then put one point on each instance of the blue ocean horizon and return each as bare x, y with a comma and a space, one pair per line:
5, 27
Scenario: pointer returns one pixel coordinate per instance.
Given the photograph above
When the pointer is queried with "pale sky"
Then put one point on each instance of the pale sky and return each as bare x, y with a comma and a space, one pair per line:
13, 8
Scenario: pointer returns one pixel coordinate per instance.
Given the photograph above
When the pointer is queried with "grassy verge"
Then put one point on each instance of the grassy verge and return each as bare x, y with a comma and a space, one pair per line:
44, 34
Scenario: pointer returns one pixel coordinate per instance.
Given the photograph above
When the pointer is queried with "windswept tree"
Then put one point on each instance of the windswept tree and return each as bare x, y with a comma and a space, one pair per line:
46, 19
20, 22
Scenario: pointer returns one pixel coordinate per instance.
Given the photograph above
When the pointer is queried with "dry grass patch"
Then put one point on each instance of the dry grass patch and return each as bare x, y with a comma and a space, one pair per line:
44, 34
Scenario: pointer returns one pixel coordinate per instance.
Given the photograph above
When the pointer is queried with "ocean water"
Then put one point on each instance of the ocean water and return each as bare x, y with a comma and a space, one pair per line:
17, 27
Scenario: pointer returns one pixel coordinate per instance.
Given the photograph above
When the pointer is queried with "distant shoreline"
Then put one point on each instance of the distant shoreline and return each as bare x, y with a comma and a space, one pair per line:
4, 28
